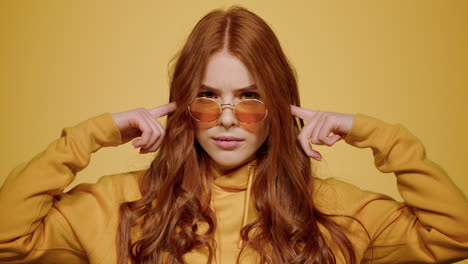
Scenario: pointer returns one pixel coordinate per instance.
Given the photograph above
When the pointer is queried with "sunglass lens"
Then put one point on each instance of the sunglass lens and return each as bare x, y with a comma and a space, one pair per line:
250, 111
204, 110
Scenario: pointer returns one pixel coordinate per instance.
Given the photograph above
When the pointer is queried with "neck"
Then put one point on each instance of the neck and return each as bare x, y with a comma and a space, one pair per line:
222, 170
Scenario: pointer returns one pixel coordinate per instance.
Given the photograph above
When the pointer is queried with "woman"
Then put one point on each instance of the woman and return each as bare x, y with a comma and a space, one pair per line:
232, 180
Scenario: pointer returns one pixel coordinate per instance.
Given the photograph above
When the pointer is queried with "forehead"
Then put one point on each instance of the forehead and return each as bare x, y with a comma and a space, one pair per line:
226, 72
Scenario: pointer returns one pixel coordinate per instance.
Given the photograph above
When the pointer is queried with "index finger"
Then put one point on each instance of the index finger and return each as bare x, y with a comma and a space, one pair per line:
302, 113
163, 110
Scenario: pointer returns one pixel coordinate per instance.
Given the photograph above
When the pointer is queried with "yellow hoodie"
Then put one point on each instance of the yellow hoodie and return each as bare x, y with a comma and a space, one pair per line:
41, 224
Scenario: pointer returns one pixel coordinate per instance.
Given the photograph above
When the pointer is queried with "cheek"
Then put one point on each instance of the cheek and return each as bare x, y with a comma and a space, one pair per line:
200, 125
252, 128
260, 130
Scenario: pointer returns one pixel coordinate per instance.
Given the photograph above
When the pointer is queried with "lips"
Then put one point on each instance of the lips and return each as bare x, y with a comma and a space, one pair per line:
227, 138
227, 142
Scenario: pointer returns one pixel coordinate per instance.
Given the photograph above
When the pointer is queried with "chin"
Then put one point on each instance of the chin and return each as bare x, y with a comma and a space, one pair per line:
229, 160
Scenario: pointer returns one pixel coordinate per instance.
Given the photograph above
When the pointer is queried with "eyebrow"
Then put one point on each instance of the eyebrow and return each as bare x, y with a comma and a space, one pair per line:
251, 87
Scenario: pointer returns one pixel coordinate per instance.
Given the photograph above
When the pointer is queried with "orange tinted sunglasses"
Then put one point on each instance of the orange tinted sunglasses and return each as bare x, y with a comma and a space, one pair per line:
248, 111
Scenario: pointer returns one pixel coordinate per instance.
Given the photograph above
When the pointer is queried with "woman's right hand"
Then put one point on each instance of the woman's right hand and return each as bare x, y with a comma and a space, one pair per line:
143, 123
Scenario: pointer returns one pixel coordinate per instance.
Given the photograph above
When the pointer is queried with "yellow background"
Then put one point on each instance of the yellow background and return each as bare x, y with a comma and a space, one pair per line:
62, 62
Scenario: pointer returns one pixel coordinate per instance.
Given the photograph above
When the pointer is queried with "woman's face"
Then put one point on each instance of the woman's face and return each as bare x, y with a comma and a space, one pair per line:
225, 76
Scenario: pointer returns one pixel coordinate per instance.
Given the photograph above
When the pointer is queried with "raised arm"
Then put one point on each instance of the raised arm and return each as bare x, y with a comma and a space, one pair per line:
30, 226
431, 226
39, 222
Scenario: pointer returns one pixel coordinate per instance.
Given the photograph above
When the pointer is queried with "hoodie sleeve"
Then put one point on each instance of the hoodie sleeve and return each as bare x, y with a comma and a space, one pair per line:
430, 226
32, 228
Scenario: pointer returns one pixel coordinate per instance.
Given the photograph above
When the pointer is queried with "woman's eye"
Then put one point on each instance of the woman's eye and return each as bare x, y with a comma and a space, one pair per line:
206, 94
250, 95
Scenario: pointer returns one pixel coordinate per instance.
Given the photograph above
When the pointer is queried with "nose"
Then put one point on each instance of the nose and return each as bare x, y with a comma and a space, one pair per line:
227, 118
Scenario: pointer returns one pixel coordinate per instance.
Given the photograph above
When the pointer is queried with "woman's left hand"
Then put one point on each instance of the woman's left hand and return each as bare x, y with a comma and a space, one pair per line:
319, 125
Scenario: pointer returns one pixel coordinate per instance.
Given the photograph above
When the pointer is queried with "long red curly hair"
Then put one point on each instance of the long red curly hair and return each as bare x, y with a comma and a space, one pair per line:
176, 189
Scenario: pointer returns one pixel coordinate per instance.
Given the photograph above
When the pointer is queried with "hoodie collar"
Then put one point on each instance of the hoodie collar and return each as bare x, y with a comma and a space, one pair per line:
237, 179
